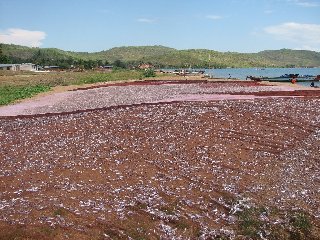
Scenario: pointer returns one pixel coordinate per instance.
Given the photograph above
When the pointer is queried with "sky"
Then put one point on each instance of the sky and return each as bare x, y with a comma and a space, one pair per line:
221, 25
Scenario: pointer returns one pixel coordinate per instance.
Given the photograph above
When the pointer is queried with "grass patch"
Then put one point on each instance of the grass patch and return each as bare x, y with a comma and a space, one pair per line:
60, 212
301, 226
249, 222
9, 94
168, 209
182, 224
21, 85
293, 225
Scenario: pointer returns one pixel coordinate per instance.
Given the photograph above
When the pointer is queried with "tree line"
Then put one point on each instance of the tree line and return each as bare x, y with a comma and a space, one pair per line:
42, 58
158, 56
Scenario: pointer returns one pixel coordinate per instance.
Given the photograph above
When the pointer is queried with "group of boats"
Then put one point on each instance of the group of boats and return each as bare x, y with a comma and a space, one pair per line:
183, 72
287, 78
293, 78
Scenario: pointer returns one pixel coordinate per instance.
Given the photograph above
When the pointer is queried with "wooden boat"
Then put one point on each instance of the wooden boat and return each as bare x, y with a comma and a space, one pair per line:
287, 78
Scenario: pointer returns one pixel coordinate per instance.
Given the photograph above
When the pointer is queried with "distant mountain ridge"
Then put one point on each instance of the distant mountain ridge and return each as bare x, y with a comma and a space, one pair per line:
161, 56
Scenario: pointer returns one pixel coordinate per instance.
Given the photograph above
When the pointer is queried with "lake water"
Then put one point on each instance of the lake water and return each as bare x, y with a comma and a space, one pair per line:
242, 73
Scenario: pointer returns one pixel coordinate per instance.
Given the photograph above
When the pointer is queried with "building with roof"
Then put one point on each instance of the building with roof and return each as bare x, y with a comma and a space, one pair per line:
19, 67
145, 66
12, 67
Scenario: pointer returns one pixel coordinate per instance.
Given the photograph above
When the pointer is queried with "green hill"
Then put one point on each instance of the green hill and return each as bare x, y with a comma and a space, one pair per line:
161, 56
301, 58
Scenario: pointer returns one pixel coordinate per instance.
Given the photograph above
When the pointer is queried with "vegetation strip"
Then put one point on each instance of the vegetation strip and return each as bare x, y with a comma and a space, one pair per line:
160, 57
9, 94
16, 86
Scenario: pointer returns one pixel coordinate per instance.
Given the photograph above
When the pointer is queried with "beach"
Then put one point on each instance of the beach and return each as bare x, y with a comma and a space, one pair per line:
162, 159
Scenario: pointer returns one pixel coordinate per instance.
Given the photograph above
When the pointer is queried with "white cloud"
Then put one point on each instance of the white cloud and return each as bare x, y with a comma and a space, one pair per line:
22, 37
306, 47
304, 3
299, 33
214, 17
146, 20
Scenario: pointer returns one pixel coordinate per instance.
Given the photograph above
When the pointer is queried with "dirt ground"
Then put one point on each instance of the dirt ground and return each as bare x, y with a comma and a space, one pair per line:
228, 168
75, 98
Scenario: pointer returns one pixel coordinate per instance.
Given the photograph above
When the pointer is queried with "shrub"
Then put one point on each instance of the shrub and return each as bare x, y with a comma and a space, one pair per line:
149, 73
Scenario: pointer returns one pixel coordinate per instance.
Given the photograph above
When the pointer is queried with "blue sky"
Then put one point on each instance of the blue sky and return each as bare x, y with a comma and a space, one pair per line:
222, 25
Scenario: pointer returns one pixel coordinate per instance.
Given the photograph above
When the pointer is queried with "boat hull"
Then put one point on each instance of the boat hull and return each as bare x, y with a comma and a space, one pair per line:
286, 79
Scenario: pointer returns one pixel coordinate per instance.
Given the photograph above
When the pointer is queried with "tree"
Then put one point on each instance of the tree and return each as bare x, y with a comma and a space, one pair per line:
89, 64
99, 63
149, 73
3, 58
119, 64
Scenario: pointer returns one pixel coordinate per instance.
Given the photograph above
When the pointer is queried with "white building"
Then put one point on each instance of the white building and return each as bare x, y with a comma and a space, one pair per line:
28, 67
19, 67
12, 67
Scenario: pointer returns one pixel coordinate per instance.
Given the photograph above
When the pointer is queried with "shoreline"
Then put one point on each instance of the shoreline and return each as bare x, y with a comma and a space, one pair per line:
77, 98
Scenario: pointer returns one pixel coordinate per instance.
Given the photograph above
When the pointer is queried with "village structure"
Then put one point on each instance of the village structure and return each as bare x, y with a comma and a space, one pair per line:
20, 67
34, 67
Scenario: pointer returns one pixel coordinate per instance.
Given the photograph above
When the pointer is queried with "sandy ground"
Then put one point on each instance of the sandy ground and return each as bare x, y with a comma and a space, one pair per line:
150, 165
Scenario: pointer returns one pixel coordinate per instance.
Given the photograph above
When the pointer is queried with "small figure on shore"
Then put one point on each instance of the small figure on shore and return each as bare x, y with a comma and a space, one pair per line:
312, 84
293, 80
229, 76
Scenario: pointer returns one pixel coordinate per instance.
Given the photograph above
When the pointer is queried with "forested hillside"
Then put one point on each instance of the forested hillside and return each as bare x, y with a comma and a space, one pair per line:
160, 57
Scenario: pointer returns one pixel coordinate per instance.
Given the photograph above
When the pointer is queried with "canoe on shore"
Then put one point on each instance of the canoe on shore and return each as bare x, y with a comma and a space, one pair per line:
286, 78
